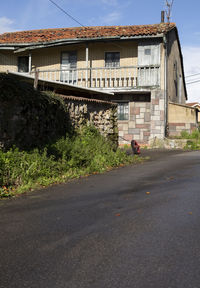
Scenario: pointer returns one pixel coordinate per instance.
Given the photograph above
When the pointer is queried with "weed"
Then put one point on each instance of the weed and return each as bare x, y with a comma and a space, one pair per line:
86, 152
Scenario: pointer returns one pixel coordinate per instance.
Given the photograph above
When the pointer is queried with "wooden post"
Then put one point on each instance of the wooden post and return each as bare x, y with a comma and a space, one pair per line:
86, 59
29, 63
36, 79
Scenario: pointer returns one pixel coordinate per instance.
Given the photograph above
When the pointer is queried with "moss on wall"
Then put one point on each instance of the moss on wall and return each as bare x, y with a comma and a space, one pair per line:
29, 118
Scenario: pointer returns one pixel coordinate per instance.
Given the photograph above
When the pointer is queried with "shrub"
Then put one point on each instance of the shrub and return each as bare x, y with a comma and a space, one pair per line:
86, 152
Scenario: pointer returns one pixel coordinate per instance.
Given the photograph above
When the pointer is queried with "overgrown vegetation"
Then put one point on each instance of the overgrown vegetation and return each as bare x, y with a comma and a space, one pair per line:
85, 153
29, 118
193, 142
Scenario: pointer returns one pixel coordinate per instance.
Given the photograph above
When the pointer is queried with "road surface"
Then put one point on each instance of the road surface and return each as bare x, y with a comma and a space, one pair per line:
137, 227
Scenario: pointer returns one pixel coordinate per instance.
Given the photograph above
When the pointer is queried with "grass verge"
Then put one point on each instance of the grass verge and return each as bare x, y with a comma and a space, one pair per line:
193, 139
85, 153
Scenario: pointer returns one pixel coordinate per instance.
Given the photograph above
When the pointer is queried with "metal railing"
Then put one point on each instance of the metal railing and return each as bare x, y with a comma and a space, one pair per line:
114, 77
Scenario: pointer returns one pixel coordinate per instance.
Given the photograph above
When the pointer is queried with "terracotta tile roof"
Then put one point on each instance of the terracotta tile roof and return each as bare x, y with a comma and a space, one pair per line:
77, 98
48, 35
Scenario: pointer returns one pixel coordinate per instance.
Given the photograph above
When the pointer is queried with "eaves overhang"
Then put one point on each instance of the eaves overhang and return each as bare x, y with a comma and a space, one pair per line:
21, 47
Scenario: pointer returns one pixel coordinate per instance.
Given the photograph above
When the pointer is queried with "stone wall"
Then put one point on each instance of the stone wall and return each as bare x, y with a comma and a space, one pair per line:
157, 114
29, 118
146, 117
181, 118
101, 114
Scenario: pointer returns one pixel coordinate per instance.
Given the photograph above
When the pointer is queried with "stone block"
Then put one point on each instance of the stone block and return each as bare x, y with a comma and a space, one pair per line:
162, 115
133, 117
147, 117
139, 121
155, 101
142, 126
156, 131
156, 113
134, 131
142, 110
155, 118
128, 137
136, 137
161, 104
159, 123
131, 124
140, 104
156, 108
135, 110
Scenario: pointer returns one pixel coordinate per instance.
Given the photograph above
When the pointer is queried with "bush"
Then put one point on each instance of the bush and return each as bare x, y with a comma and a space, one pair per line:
69, 157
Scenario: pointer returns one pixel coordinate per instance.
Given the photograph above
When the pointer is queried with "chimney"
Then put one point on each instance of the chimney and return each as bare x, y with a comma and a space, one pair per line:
162, 16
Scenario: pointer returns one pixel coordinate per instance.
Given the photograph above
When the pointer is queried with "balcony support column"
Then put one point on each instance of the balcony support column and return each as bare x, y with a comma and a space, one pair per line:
29, 63
86, 62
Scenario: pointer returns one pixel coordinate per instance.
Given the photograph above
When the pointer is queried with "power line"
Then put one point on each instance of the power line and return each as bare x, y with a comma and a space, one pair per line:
70, 16
193, 82
192, 75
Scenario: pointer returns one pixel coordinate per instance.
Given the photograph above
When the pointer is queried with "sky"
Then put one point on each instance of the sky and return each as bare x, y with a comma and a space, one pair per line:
40, 14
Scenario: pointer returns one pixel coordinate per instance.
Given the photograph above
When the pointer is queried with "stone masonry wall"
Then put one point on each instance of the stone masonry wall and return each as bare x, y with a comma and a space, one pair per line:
29, 118
101, 114
146, 118
157, 115
138, 126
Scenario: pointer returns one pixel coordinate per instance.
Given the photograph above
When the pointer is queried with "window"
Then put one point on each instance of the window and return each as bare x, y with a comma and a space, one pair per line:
112, 59
147, 51
123, 111
68, 67
23, 62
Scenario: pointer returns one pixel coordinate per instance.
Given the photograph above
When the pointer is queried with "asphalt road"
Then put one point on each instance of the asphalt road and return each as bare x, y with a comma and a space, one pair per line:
137, 226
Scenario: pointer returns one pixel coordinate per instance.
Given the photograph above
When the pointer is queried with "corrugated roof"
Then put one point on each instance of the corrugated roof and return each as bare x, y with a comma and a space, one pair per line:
48, 35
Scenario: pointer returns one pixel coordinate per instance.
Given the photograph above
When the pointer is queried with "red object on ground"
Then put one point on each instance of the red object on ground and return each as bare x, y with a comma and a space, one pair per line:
135, 147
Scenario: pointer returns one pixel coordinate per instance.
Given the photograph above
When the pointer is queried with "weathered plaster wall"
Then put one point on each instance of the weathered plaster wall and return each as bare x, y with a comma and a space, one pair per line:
8, 61
181, 118
176, 92
50, 58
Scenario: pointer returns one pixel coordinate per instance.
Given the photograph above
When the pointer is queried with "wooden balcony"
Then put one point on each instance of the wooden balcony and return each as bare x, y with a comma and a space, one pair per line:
105, 78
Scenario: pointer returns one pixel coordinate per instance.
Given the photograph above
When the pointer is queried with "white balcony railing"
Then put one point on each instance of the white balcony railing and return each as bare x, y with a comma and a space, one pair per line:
115, 77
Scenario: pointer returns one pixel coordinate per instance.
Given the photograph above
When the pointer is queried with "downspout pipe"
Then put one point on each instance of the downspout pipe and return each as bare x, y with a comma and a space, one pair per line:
165, 87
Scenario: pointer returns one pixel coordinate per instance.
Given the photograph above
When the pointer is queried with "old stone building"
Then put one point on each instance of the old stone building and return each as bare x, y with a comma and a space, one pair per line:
140, 67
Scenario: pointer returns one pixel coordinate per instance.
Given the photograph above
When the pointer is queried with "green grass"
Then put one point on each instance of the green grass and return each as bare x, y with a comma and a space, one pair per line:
193, 142
85, 153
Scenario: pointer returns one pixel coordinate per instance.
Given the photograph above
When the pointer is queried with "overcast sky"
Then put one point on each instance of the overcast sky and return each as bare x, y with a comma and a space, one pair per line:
40, 14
